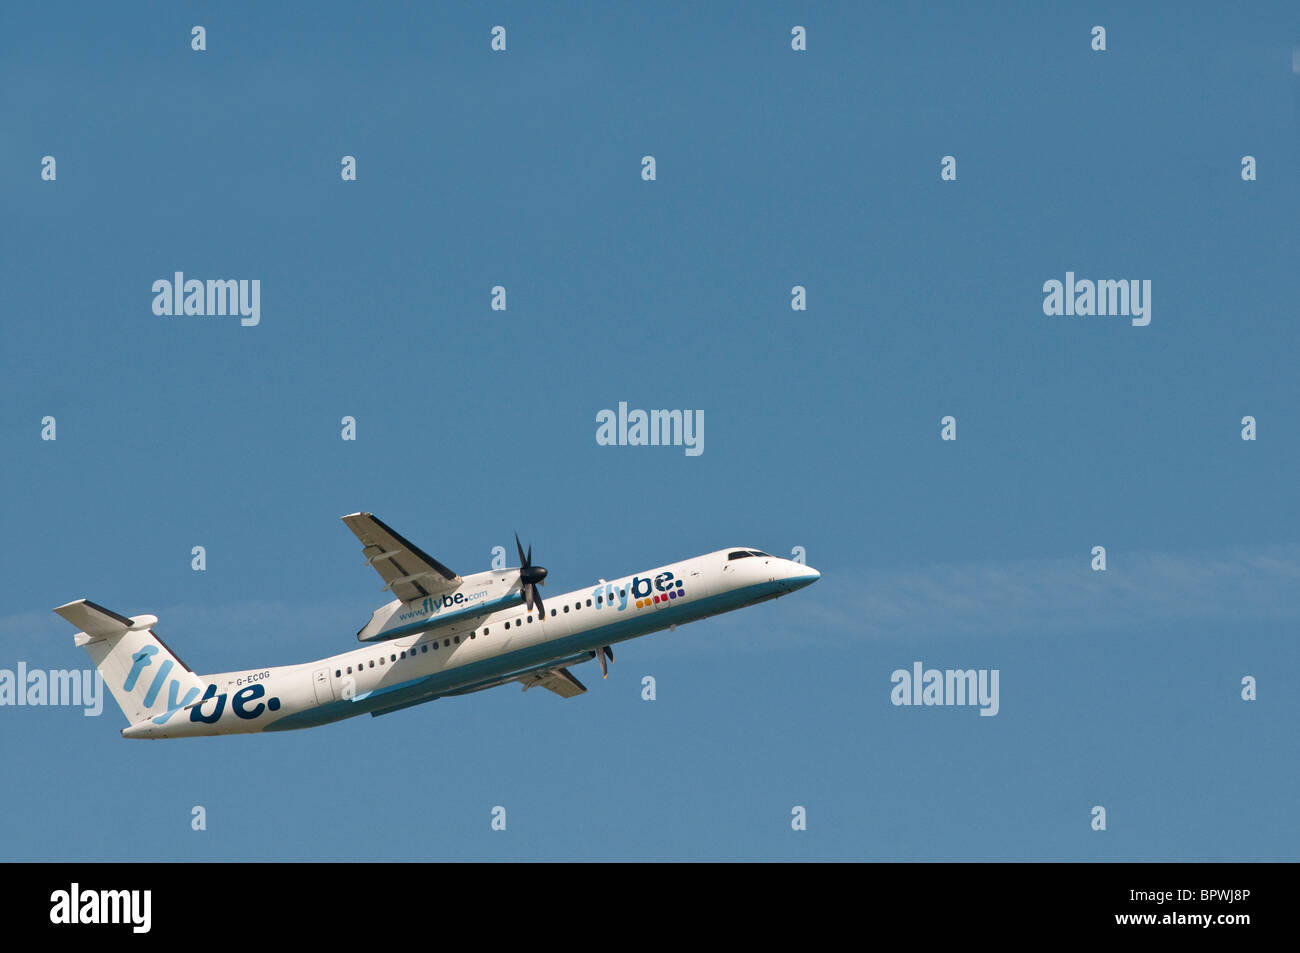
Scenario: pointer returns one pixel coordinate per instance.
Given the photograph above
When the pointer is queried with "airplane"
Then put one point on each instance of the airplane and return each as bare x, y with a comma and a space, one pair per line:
442, 635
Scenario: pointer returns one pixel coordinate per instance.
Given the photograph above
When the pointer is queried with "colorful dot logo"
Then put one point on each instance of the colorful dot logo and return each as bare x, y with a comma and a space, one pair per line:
661, 599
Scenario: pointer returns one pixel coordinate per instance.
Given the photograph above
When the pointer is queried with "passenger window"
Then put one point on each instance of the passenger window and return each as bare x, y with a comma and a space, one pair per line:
372, 663
456, 640
589, 603
566, 607
530, 618
424, 648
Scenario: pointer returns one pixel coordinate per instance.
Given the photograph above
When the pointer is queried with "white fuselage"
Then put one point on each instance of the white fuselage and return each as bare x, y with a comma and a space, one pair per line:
481, 652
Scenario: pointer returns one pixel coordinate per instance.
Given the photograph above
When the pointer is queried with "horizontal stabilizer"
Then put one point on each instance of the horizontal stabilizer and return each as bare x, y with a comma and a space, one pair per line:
98, 622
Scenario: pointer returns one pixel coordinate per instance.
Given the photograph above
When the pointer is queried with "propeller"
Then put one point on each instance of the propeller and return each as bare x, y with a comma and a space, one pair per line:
604, 669
530, 576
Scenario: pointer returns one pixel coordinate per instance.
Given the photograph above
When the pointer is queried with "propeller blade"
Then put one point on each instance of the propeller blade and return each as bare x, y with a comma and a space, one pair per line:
604, 669
609, 652
530, 576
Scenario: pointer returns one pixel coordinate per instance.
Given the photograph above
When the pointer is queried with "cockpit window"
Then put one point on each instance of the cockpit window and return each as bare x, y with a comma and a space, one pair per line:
739, 554
755, 552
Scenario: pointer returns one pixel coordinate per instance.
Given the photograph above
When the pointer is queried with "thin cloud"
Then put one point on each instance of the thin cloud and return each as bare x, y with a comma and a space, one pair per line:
1056, 595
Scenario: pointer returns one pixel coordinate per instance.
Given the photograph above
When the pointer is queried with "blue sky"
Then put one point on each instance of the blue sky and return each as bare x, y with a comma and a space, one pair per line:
774, 168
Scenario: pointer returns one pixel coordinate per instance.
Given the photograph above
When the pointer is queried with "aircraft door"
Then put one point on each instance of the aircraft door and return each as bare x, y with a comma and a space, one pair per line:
695, 584
321, 684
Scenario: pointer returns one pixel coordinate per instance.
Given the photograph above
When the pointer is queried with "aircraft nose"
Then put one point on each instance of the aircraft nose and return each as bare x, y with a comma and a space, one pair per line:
801, 576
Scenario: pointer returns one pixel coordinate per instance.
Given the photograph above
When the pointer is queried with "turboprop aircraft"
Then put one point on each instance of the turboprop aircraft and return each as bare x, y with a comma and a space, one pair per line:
444, 634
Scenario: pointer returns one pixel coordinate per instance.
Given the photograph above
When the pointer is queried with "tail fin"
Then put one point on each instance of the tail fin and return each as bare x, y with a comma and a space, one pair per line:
147, 680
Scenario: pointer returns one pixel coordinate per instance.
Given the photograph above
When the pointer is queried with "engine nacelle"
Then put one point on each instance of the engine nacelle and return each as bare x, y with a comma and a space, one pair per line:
478, 595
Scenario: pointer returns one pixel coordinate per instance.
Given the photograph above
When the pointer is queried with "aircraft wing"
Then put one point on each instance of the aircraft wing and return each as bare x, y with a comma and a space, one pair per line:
557, 680
408, 572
